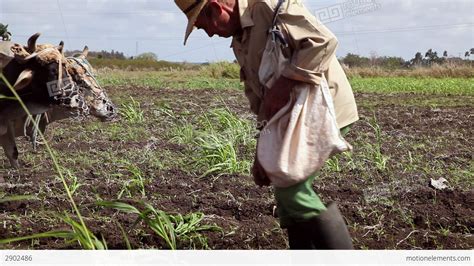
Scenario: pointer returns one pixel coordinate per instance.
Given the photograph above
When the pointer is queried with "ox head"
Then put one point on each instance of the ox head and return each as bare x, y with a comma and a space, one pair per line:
40, 74
82, 72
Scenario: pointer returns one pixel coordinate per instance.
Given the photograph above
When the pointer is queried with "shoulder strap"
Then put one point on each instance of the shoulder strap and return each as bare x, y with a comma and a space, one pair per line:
277, 10
274, 30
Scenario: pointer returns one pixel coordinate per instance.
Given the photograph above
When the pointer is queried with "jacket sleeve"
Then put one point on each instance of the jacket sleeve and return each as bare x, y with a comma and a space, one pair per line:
312, 44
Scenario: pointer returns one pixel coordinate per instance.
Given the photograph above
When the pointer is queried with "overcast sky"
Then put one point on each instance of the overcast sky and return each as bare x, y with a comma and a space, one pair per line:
384, 27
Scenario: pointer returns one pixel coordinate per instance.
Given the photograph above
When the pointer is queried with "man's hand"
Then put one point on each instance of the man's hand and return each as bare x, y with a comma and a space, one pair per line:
259, 175
277, 96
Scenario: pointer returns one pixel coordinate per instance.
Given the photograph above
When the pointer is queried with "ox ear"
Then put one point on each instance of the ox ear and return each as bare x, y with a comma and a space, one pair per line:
61, 47
20, 53
24, 79
32, 42
85, 52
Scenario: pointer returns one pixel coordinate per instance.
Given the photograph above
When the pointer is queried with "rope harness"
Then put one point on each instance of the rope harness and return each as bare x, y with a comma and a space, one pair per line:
83, 82
69, 95
65, 93
85, 65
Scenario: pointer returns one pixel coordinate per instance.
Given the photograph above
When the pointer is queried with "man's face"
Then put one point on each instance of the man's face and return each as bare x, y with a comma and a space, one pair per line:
215, 19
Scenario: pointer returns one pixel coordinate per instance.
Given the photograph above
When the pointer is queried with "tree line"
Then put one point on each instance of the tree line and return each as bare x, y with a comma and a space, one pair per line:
429, 58
5, 35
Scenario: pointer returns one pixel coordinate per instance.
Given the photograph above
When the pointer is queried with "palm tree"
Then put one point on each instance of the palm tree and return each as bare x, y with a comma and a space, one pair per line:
418, 60
432, 57
4, 33
429, 53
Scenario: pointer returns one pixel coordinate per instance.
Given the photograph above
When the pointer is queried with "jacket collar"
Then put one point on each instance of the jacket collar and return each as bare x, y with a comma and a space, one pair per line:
245, 16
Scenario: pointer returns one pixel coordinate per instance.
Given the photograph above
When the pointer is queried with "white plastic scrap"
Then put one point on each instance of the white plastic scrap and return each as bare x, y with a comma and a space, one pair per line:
439, 184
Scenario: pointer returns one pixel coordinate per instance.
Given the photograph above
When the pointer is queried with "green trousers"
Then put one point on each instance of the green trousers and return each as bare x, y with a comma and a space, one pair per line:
299, 202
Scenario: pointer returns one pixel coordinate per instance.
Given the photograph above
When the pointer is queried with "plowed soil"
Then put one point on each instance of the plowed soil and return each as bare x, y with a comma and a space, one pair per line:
389, 206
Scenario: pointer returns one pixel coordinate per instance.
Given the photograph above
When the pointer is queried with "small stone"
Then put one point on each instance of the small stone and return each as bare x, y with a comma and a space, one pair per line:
439, 184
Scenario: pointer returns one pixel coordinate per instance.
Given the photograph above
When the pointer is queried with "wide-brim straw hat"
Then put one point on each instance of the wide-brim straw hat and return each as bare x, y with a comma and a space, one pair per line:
191, 8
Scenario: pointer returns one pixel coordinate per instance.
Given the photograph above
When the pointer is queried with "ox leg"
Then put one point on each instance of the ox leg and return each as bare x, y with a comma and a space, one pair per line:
14, 111
9, 146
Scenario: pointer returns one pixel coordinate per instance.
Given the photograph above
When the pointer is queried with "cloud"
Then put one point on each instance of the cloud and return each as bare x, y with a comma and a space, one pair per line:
167, 18
158, 26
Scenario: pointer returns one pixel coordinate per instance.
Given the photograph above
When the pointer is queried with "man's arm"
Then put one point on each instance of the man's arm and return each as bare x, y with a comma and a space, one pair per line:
312, 45
311, 42
277, 96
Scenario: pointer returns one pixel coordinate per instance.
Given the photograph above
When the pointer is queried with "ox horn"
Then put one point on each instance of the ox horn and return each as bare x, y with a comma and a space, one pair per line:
85, 52
32, 42
23, 80
60, 47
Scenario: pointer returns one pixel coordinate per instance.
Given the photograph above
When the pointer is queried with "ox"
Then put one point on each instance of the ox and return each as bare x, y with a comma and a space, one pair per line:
41, 80
99, 103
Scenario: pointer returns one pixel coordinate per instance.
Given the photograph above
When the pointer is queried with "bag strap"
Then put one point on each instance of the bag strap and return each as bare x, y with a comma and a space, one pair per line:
274, 30
277, 10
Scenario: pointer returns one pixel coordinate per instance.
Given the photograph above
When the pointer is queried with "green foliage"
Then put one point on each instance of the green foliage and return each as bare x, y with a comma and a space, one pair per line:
132, 111
223, 141
73, 183
229, 124
6, 98
81, 234
219, 156
379, 159
353, 60
429, 59
183, 134
185, 79
418, 80
436, 71
147, 57
447, 86
89, 239
221, 69
4, 33
333, 164
390, 62
215, 139
78, 233
135, 183
138, 64
417, 60
11, 198
173, 229
107, 55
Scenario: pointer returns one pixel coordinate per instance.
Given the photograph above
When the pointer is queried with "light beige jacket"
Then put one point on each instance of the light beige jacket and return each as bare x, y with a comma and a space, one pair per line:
311, 52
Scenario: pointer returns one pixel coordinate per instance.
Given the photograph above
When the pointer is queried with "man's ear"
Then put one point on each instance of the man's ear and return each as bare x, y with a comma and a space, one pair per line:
215, 6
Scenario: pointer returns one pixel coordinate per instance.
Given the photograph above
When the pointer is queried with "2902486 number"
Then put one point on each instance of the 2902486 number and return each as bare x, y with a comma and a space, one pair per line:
13, 258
